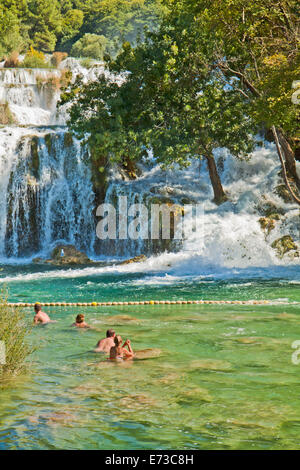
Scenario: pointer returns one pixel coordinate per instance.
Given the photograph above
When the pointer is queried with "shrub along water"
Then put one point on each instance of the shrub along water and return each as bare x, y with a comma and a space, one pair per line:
14, 333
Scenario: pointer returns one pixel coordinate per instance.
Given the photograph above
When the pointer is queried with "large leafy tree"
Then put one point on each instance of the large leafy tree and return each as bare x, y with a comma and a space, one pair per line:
120, 20
168, 103
213, 72
58, 24
256, 44
45, 23
13, 33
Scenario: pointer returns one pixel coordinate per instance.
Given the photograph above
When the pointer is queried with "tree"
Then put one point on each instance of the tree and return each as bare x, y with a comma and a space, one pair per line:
205, 79
121, 20
163, 105
90, 45
71, 23
256, 44
45, 23
12, 32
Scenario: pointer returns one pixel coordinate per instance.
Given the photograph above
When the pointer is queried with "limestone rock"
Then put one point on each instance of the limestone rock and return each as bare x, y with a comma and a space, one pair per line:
283, 245
136, 259
72, 256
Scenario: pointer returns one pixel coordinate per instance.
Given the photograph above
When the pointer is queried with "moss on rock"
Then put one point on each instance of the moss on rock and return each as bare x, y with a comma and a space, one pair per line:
136, 259
35, 161
267, 224
68, 139
283, 245
48, 142
71, 256
283, 193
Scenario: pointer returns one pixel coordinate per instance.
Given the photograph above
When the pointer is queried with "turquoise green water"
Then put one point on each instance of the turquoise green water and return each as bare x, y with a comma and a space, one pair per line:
224, 378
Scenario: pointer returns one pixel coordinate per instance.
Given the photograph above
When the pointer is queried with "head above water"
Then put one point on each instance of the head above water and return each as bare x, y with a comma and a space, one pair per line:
80, 318
110, 333
37, 307
118, 340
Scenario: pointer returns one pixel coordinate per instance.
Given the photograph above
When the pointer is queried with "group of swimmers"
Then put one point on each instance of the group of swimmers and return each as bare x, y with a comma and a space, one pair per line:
111, 345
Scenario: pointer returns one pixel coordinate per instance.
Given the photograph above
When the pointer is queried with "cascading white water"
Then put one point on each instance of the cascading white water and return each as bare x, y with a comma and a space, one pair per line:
49, 195
230, 235
30, 94
46, 193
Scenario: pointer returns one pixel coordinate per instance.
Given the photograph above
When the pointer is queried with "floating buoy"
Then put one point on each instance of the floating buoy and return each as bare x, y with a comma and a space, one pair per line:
141, 302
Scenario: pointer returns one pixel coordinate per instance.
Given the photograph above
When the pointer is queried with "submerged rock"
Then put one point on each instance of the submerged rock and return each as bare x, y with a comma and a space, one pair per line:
211, 364
283, 193
196, 394
148, 353
117, 319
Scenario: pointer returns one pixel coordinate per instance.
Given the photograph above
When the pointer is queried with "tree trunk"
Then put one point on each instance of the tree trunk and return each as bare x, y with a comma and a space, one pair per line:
285, 176
290, 162
219, 194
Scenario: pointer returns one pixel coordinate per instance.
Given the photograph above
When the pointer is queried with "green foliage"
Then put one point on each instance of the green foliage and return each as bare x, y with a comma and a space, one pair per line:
86, 62
122, 20
256, 47
59, 24
212, 75
14, 333
90, 45
11, 37
34, 59
44, 22
169, 103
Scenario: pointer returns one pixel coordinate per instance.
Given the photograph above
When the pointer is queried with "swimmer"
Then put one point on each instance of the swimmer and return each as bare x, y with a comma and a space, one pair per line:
41, 317
118, 351
104, 345
79, 322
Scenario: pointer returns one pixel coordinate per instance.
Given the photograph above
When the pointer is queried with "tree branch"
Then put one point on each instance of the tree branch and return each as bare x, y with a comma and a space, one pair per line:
279, 151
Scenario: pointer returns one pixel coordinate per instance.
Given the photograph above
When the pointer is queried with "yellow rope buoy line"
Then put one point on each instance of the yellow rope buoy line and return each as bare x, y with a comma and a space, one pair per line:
142, 302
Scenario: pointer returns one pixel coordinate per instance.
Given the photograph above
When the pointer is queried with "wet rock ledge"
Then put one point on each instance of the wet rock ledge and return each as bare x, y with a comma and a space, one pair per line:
73, 257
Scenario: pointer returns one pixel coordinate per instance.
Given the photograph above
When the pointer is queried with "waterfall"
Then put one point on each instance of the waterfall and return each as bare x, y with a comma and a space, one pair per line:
136, 194
31, 95
46, 194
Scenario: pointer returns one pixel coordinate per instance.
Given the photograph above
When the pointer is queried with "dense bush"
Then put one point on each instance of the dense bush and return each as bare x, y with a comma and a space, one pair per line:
90, 45
34, 59
13, 332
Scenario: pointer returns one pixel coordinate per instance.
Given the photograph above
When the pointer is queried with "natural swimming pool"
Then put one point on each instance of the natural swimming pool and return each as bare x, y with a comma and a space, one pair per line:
224, 378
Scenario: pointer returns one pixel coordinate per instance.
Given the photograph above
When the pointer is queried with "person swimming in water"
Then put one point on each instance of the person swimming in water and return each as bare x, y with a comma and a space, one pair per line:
105, 344
80, 322
118, 351
40, 316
